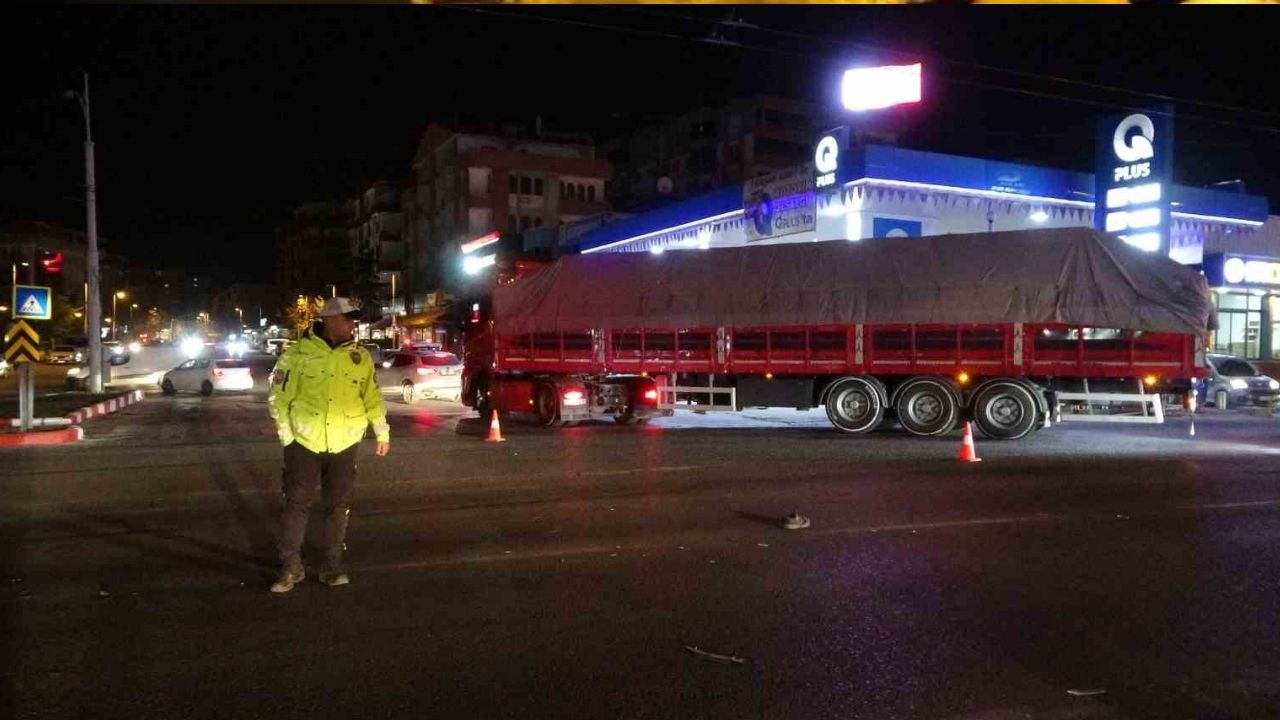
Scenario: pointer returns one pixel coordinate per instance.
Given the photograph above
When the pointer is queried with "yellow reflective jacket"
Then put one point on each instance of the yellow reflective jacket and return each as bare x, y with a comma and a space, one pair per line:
325, 397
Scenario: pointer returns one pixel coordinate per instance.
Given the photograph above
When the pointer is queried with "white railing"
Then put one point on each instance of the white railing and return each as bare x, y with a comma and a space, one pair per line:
1151, 406
667, 399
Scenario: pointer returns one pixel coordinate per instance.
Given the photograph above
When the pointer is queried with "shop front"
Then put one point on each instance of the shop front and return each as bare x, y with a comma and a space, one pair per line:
1246, 292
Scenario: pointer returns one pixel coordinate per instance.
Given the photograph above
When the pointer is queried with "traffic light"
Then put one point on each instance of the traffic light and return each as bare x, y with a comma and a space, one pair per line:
52, 263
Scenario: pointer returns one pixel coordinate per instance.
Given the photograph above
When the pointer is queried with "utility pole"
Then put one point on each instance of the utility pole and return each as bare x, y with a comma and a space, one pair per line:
94, 309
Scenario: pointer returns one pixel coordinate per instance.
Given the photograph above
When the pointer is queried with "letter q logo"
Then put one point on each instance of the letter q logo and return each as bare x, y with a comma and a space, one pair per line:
1139, 146
827, 155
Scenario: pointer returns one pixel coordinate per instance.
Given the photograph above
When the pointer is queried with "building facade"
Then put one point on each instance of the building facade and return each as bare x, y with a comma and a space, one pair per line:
468, 185
375, 242
716, 146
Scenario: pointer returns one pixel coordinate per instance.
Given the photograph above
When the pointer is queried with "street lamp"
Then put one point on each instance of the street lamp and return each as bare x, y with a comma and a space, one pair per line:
333, 290
120, 295
91, 231
131, 309
240, 313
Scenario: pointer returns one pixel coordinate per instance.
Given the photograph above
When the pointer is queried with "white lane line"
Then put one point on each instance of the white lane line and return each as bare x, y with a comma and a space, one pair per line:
940, 525
1231, 505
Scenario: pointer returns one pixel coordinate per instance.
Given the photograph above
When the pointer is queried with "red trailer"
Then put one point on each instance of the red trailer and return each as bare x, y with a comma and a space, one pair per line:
1010, 329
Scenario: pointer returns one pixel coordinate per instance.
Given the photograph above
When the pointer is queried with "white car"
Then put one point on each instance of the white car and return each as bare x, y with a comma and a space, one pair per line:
204, 375
420, 375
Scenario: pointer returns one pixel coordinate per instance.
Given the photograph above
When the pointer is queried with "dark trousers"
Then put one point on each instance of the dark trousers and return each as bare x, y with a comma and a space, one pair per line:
304, 471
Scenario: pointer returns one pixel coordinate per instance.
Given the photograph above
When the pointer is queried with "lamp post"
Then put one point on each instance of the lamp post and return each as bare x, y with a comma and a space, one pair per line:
131, 309
333, 290
119, 295
240, 314
94, 309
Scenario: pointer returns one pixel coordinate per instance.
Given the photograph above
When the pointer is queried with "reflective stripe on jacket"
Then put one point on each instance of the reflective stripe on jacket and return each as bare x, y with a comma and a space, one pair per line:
325, 397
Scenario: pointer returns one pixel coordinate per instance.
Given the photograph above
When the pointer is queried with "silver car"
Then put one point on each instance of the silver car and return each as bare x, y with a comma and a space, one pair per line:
415, 375
1237, 383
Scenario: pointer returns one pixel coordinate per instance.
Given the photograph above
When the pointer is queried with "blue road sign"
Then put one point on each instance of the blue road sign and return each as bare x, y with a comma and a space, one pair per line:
32, 303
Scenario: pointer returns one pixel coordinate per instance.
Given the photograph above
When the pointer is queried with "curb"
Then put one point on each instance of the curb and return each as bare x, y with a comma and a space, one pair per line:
105, 407
75, 417
42, 437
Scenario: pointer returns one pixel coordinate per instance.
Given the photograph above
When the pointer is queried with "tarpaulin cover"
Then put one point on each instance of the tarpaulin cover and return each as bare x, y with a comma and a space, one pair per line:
1077, 276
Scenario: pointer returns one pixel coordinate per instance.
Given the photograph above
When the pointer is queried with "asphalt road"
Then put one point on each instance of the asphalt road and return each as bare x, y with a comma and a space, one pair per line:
1086, 572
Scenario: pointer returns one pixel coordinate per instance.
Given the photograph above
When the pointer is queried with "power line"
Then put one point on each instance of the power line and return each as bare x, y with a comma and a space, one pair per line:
981, 66
1111, 105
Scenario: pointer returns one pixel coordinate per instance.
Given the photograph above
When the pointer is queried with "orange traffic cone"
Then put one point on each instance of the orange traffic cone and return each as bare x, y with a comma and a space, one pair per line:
495, 432
967, 451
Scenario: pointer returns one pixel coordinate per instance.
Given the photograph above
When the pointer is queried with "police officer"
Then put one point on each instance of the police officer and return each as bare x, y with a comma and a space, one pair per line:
323, 398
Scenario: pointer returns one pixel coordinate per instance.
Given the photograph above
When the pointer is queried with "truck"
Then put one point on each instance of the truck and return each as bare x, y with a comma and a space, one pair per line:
1012, 330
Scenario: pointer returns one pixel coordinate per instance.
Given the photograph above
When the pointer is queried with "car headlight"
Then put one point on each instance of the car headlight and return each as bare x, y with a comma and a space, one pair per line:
1274, 384
135, 347
1238, 384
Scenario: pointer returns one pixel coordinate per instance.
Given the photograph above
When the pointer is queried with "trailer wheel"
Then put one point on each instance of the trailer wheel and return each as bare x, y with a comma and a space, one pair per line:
1005, 411
854, 406
926, 406
548, 405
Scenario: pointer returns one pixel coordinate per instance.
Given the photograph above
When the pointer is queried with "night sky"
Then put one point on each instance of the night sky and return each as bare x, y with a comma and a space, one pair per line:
211, 123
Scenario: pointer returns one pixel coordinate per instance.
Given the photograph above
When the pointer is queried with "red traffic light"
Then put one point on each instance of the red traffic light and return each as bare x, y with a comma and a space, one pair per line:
53, 265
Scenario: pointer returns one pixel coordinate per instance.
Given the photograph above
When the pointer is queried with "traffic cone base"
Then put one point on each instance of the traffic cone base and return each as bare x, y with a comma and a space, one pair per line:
495, 432
967, 452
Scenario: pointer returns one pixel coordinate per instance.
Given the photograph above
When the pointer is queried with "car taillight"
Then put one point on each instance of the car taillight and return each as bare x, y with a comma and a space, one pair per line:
651, 395
426, 371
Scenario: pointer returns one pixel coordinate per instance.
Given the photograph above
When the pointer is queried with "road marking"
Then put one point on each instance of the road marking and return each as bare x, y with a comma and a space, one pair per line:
941, 525
1231, 505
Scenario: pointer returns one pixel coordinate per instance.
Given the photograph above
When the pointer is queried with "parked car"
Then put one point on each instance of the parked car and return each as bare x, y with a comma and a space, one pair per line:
376, 352
1237, 382
204, 375
421, 375
64, 355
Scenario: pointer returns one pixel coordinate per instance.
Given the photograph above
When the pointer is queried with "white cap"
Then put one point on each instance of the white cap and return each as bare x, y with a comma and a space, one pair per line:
338, 306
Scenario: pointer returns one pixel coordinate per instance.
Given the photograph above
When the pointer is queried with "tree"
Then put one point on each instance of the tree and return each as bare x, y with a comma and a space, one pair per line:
154, 321
67, 321
366, 287
303, 312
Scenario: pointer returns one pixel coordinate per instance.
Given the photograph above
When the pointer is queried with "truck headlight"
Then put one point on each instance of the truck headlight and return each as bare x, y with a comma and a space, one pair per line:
1238, 384
1275, 384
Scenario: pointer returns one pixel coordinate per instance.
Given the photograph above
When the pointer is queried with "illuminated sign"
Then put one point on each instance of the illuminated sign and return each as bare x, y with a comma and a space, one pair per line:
875, 88
473, 245
1225, 270
826, 157
1134, 162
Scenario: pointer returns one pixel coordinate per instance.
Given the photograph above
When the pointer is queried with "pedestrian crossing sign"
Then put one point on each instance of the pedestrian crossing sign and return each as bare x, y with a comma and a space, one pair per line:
31, 302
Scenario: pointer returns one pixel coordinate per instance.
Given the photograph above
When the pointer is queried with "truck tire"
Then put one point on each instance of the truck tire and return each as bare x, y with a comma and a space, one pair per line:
854, 405
548, 406
1004, 410
926, 406
481, 402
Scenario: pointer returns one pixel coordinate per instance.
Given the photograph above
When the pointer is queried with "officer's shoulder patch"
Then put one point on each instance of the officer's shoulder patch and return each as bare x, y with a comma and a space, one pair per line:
355, 356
